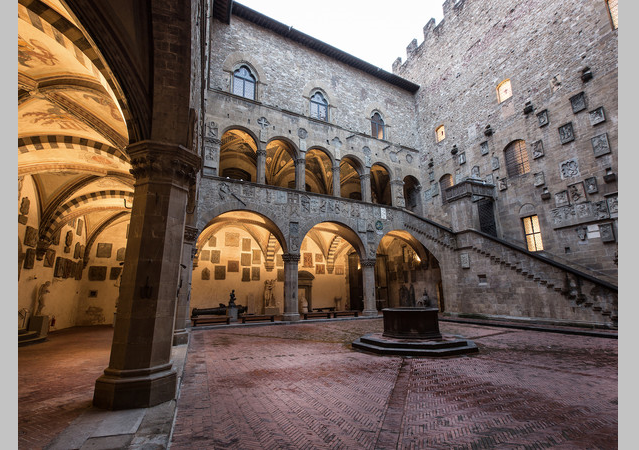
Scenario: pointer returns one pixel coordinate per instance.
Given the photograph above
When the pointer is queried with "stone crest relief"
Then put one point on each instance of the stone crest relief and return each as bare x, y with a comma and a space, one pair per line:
578, 102
538, 149
577, 192
600, 144
569, 168
566, 133
542, 118
597, 116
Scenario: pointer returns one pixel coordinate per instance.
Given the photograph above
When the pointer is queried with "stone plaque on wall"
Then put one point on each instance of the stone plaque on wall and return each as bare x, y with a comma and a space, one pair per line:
597, 116
246, 274
206, 274
562, 199
600, 145
279, 262
58, 270
569, 168
245, 259
55, 240
49, 258
115, 273
30, 236
464, 259
495, 163
539, 179
578, 102
246, 245
233, 266
538, 149
97, 273
212, 241
339, 270
205, 255
591, 185
308, 260
566, 133
613, 205
103, 251
255, 273
257, 257
78, 229
542, 118
601, 210
280, 274
119, 255
220, 272
232, 239
577, 192
483, 148
319, 269
215, 256
607, 232
29, 259
76, 250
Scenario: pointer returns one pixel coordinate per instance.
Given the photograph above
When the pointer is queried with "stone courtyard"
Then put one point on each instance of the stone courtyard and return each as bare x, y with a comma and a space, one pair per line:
293, 386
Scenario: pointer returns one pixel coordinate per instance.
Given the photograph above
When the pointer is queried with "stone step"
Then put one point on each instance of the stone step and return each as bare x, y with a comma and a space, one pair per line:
25, 335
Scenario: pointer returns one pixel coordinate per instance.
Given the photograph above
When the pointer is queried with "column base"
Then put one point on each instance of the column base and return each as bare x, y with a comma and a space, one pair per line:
180, 337
370, 312
129, 389
291, 317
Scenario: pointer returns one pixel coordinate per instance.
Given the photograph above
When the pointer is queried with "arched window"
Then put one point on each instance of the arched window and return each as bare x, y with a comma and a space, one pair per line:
445, 182
516, 158
377, 126
504, 91
319, 107
244, 83
440, 133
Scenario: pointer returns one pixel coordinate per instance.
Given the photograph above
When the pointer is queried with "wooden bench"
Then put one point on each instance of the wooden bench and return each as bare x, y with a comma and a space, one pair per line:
209, 318
327, 308
345, 313
313, 314
257, 317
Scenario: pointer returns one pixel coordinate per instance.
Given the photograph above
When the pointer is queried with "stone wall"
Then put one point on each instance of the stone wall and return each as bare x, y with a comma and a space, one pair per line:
543, 47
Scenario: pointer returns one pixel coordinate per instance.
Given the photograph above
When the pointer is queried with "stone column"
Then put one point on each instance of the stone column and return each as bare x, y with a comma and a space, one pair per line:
291, 310
182, 321
140, 373
261, 166
365, 182
368, 281
300, 174
397, 193
336, 181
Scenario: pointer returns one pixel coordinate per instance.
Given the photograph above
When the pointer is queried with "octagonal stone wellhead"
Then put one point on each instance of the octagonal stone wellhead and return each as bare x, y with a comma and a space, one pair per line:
413, 331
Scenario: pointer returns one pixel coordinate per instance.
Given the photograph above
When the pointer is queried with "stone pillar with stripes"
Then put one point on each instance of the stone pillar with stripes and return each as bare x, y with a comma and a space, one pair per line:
140, 372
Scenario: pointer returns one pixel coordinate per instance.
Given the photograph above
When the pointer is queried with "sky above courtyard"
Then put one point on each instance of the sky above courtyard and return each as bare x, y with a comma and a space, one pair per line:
373, 30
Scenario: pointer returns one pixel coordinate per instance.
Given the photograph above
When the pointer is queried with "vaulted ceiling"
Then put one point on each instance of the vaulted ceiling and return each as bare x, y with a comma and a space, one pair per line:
72, 131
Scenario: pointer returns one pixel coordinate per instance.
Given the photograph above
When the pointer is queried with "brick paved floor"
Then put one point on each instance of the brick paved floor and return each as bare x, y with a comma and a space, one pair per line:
56, 380
301, 386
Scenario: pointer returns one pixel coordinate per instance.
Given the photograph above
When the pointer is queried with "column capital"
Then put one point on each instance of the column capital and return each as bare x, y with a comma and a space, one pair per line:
298, 161
397, 182
365, 176
335, 169
161, 161
291, 257
368, 262
260, 152
190, 234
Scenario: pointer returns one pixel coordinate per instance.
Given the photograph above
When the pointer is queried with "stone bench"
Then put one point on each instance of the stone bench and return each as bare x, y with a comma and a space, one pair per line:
354, 313
257, 317
209, 318
307, 315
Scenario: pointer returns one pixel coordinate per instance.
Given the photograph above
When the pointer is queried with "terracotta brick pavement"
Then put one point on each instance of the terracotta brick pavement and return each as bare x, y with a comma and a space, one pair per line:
301, 386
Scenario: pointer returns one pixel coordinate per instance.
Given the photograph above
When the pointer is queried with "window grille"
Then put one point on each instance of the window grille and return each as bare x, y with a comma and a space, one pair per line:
516, 159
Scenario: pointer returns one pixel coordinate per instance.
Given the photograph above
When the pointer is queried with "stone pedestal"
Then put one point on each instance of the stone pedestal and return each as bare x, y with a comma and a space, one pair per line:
39, 324
411, 323
271, 310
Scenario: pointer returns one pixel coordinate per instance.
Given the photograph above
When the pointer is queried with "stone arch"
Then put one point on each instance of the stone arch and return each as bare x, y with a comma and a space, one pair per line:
340, 228
319, 170
381, 179
351, 170
281, 159
238, 154
208, 218
411, 191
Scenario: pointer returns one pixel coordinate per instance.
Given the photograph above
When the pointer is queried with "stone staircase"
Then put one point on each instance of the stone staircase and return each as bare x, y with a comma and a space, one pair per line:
583, 288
